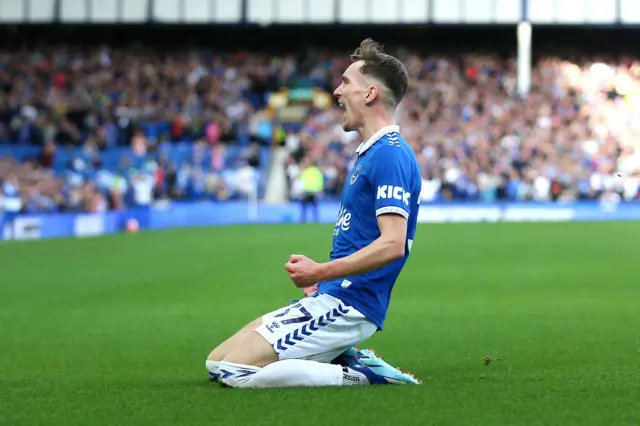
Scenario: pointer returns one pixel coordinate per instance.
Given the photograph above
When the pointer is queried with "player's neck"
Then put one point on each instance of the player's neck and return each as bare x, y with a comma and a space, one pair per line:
373, 124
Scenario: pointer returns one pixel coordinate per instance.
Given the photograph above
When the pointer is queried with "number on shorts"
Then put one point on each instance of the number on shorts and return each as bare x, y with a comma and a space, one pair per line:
307, 316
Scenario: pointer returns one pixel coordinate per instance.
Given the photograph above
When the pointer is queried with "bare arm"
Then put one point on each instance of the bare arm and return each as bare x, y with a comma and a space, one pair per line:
382, 251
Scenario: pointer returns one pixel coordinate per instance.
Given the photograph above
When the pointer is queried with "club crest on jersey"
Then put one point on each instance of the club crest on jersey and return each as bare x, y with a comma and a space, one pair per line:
355, 175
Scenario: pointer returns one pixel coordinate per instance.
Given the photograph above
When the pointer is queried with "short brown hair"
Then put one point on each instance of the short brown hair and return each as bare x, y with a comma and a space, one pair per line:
383, 67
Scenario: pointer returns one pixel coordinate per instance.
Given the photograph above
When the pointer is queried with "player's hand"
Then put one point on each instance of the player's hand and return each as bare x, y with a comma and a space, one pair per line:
310, 291
303, 271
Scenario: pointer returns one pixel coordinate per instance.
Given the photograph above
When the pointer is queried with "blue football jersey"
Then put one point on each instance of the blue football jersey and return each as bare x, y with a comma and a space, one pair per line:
384, 179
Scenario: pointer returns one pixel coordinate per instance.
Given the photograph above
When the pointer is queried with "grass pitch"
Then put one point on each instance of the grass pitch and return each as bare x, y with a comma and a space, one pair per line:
115, 330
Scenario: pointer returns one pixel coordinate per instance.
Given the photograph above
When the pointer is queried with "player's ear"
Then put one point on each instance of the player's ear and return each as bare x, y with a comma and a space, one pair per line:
372, 94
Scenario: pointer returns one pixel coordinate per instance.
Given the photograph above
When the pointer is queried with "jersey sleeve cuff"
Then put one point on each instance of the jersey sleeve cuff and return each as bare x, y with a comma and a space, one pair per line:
392, 209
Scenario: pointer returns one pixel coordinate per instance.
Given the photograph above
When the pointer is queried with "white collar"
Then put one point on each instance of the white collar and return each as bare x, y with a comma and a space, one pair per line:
393, 128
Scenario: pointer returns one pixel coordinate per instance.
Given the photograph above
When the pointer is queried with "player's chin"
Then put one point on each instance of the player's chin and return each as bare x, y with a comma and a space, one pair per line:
346, 126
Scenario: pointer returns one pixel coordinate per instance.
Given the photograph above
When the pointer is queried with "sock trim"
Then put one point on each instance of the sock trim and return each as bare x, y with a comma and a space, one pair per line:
214, 369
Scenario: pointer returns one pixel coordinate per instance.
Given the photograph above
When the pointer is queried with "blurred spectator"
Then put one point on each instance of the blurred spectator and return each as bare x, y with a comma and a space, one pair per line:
142, 184
312, 181
11, 203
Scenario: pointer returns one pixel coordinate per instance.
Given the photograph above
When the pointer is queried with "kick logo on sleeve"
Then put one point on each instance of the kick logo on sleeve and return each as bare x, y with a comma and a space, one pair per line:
395, 192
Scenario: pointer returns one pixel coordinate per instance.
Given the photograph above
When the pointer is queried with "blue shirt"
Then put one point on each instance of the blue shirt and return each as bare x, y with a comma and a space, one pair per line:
384, 179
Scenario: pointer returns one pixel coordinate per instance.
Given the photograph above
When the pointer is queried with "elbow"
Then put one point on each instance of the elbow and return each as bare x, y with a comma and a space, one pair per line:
395, 250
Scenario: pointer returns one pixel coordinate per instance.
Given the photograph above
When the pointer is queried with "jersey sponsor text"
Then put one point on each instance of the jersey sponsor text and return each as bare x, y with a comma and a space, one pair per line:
344, 221
390, 191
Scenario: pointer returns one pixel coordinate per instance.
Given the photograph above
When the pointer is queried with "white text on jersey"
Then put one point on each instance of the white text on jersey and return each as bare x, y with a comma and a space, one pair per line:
397, 192
344, 221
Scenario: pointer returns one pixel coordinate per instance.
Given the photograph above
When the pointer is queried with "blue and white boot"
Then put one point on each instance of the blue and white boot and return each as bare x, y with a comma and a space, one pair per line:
380, 372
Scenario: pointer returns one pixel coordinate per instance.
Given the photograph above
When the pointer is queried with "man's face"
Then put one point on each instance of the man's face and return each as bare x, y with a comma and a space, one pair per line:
351, 96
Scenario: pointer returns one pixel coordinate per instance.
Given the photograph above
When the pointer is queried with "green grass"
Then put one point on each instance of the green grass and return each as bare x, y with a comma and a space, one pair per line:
115, 330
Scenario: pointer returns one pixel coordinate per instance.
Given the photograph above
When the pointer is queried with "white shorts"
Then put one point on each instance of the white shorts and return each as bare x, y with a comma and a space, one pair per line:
316, 328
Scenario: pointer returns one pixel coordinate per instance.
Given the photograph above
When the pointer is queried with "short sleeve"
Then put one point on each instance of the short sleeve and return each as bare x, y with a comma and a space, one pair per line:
392, 182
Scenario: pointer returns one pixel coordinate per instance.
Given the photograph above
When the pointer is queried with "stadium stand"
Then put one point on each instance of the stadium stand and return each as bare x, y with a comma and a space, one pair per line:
101, 128
119, 127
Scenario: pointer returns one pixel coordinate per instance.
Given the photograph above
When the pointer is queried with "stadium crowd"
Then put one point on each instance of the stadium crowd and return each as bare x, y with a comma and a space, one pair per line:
574, 137
98, 129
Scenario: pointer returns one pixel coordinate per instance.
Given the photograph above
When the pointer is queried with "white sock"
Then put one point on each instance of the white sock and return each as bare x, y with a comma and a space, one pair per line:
289, 373
214, 369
